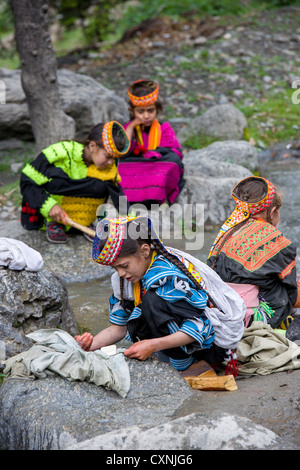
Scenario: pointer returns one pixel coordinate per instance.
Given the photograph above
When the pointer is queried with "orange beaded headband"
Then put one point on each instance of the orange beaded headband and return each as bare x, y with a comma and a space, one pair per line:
146, 100
108, 139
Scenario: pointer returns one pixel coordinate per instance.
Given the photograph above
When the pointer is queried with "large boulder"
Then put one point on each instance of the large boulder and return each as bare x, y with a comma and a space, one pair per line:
83, 98
211, 173
54, 413
160, 412
224, 121
30, 301
196, 431
212, 159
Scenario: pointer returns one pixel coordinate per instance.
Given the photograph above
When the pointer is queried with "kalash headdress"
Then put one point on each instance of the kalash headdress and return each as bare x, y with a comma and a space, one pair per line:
111, 233
244, 209
146, 100
111, 131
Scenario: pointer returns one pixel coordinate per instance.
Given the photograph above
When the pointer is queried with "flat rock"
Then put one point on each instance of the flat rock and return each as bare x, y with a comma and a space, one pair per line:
53, 413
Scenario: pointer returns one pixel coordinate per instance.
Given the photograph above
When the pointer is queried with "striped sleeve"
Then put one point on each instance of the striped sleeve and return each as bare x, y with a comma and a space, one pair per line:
117, 314
199, 329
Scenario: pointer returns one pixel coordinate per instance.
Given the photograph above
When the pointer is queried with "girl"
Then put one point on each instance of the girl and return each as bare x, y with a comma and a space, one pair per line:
164, 299
73, 178
152, 171
250, 251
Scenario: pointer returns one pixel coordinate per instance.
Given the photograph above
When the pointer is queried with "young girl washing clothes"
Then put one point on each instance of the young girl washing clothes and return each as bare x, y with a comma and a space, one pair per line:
73, 178
164, 300
152, 170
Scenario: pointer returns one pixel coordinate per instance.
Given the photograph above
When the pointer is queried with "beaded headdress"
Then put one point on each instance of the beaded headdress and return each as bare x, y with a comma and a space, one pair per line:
112, 232
146, 100
110, 131
245, 209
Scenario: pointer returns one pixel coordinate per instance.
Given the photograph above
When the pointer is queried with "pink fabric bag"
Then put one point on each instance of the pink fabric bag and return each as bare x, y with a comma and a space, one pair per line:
249, 294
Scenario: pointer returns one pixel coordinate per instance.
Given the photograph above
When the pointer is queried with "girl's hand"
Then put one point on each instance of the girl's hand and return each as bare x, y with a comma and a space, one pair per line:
57, 214
84, 340
141, 350
136, 122
132, 125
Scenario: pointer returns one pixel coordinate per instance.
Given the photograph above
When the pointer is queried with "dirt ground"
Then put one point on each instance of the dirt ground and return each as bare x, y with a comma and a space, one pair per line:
273, 401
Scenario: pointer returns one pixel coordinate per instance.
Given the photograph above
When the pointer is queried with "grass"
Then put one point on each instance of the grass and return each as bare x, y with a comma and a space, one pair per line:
12, 192
273, 118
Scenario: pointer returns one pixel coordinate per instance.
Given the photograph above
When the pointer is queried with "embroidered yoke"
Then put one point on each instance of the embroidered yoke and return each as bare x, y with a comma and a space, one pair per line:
259, 254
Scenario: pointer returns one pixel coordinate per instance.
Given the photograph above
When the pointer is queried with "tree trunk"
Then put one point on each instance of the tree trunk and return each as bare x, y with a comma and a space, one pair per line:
39, 78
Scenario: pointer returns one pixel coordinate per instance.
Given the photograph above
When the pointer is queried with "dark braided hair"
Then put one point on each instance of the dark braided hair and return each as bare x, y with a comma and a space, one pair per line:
250, 191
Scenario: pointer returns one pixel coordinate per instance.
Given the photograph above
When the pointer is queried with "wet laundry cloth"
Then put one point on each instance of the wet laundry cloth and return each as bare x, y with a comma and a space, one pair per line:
263, 351
55, 351
16, 255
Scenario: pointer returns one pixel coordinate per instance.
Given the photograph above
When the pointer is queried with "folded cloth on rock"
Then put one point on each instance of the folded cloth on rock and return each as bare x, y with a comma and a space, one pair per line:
16, 255
263, 351
55, 351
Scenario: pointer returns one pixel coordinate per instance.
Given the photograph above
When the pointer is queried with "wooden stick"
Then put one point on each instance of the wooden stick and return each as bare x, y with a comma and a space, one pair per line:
84, 229
207, 381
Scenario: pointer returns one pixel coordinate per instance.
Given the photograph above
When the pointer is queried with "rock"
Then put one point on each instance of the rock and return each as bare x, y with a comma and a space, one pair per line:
239, 152
16, 167
196, 431
54, 413
83, 98
211, 173
88, 102
70, 261
213, 193
222, 120
30, 301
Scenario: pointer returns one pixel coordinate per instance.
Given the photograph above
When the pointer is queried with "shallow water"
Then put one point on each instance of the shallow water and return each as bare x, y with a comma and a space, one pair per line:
89, 300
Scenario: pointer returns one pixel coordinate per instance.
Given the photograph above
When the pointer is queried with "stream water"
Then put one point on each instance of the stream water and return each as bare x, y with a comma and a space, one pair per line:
89, 300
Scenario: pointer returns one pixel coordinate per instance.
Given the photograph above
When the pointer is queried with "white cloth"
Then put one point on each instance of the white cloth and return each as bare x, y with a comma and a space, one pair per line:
16, 255
128, 289
55, 351
228, 318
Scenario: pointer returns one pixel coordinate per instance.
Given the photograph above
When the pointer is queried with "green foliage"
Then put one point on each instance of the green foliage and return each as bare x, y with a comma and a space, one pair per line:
93, 16
6, 18
199, 141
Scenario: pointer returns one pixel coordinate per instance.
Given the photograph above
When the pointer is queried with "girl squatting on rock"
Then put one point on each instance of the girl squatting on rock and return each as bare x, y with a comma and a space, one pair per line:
164, 300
